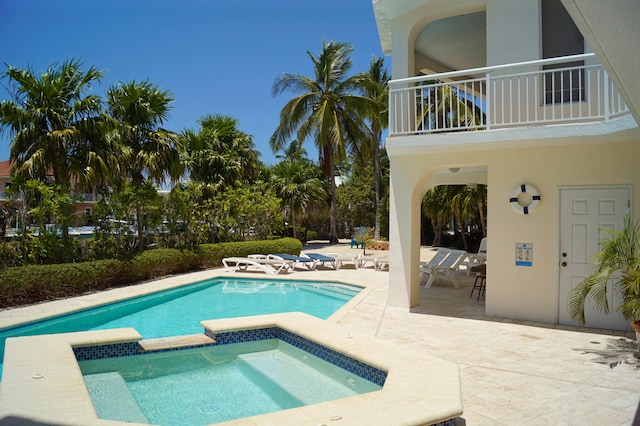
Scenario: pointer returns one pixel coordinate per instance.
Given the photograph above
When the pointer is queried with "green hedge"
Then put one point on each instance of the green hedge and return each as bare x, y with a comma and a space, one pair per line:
36, 283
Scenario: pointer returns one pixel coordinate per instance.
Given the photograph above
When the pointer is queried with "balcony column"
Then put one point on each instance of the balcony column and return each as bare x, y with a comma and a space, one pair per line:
404, 236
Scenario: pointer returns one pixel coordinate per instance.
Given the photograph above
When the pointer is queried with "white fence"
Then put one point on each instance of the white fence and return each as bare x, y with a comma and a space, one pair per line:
548, 91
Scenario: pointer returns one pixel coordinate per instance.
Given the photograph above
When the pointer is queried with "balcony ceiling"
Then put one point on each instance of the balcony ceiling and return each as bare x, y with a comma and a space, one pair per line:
454, 43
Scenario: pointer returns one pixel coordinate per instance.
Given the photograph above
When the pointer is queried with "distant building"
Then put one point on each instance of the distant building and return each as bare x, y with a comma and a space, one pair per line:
83, 210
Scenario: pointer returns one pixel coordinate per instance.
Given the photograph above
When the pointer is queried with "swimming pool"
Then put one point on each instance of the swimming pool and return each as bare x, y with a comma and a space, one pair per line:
44, 385
179, 311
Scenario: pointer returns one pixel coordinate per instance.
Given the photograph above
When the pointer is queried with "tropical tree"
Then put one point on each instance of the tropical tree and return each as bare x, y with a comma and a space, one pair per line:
219, 156
436, 206
447, 107
618, 265
294, 151
299, 186
477, 197
149, 153
457, 197
327, 109
376, 87
57, 129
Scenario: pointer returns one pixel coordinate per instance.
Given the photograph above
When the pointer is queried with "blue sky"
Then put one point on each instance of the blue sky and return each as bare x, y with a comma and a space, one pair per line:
215, 56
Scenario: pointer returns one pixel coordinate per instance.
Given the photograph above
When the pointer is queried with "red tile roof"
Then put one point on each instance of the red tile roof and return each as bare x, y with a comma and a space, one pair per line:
5, 168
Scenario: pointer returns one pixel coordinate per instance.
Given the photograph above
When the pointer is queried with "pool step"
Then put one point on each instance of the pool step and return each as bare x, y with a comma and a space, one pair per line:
112, 399
175, 342
294, 377
334, 292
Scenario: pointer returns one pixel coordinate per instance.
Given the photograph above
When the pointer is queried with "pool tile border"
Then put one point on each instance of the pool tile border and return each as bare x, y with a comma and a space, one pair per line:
359, 368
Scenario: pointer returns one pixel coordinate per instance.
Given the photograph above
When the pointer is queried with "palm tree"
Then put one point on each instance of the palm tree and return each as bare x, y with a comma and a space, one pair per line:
477, 196
219, 155
149, 152
327, 110
296, 184
448, 107
458, 200
293, 152
377, 88
436, 207
618, 263
57, 129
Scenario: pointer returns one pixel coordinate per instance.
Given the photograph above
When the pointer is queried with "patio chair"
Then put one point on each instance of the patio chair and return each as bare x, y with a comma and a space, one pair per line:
305, 262
447, 268
354, 242
479, 258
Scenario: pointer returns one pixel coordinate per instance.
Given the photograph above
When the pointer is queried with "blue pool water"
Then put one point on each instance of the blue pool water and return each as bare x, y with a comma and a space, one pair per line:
214, 384
179, 311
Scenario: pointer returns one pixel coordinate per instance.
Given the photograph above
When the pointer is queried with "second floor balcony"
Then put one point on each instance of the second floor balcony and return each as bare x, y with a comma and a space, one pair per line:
535, 93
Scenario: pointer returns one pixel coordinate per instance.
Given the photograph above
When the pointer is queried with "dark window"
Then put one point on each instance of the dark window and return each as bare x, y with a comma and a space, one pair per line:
561, 37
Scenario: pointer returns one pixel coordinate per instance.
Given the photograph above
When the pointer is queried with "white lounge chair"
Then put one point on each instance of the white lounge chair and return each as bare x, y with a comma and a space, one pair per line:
381, 263
441, 254
447, 267
305, 262
268, 266
359, 261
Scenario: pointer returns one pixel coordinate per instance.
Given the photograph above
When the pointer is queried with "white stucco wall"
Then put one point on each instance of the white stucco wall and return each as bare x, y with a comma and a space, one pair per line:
529, 293
532, 292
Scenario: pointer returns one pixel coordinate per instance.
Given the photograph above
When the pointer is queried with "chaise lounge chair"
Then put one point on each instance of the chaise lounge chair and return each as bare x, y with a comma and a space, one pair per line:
358, 261
322, 259
259, 263
447, 267
381, 263
302, 261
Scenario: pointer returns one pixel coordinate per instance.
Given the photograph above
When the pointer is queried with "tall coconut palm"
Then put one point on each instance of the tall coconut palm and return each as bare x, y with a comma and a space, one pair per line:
446, 107
328, 109
376, 87
436, 207
149, 152
458, 199
57, 129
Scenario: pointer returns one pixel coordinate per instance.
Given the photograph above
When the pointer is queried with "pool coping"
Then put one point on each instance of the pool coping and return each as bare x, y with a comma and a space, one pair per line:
41, 371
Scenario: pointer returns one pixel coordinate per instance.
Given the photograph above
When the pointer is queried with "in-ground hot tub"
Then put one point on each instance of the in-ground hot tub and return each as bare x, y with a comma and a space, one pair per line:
43, 381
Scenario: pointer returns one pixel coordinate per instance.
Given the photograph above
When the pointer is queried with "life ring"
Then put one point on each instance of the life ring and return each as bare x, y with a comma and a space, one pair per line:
524, 198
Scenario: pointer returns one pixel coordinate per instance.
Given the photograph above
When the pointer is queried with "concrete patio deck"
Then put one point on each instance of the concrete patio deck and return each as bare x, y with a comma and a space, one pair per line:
512, 372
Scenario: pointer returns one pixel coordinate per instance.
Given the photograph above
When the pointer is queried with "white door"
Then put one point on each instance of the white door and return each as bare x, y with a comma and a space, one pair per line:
584, 213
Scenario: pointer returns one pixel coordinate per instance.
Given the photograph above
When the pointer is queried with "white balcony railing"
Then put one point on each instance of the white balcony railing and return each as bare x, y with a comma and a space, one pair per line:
548, 91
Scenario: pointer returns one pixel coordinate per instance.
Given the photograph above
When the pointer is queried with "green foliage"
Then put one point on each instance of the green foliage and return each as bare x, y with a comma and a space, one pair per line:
35, 283
618, 264
356, 201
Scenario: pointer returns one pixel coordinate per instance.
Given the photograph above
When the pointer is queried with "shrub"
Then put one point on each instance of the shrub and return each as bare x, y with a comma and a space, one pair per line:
35, 283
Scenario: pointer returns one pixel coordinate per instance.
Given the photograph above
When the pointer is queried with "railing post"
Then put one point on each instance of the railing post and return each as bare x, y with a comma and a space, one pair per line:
392, 113
487, 113
607, 96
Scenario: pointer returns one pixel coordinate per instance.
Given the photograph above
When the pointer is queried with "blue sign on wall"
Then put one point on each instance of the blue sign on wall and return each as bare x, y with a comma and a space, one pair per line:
524, 254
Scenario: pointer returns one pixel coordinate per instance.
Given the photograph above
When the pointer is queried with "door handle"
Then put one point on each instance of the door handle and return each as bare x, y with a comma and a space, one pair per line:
564, 263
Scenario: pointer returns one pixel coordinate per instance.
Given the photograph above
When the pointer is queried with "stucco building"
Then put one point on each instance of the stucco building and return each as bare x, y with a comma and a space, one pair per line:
557, 87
